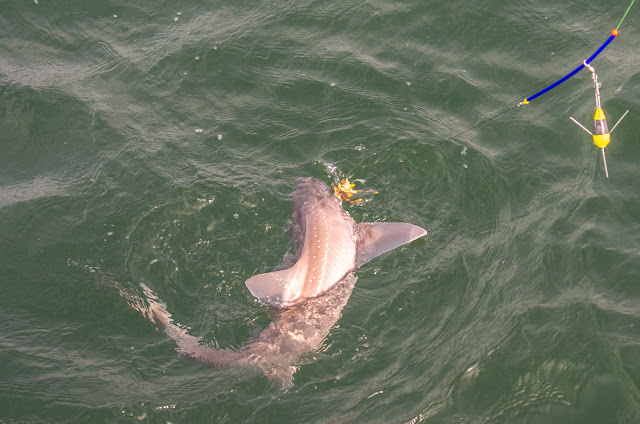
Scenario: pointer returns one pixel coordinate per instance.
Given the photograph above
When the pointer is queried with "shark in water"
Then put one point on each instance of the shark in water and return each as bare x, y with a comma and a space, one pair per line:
310, 294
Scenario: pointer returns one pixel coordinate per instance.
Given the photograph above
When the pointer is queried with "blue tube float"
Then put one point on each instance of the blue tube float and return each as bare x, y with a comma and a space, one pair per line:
604, 45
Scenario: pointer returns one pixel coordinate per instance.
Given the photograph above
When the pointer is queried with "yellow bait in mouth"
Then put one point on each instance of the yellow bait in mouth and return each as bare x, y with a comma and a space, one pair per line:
344, 191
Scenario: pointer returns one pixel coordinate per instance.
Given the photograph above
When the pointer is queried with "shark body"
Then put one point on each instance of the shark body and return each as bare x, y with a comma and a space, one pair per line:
311, 293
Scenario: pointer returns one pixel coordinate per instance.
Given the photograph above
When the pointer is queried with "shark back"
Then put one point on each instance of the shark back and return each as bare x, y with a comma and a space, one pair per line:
326, 250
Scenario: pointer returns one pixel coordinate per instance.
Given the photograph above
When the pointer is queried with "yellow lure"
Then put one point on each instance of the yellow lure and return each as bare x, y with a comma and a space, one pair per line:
601, 134
344, 191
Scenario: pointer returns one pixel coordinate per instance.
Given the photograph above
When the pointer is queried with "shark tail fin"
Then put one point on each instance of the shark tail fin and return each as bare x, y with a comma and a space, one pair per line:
188, 345
374, 239
271, 288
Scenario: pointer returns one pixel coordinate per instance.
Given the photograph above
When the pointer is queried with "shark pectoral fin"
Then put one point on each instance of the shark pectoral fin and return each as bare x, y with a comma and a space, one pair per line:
271, 288
374, 239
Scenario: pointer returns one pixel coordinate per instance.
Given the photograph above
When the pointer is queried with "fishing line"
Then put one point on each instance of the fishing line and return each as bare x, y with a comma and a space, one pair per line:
526, 101
625, 14
450, 138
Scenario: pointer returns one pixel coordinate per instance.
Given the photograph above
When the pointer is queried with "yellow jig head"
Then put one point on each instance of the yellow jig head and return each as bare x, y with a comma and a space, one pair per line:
601, 134
344, 190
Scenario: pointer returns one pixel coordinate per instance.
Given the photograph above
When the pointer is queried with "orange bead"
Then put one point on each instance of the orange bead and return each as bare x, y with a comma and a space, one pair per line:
614, 32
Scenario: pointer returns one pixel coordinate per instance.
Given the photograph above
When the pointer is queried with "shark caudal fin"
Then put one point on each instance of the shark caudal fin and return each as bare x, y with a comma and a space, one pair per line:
271, 288
188, 345
376, 238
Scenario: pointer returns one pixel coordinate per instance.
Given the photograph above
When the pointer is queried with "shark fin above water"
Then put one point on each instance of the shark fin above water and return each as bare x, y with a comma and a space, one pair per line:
271, 287
377, 238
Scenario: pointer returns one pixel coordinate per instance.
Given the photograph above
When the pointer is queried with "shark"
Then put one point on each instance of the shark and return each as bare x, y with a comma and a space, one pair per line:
309, 289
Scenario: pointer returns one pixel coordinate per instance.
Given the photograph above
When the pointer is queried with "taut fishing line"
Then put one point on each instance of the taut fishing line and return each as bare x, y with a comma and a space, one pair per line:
453, 137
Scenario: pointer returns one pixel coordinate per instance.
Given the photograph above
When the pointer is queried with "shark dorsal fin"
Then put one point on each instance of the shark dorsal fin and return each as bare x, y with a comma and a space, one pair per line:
376, 238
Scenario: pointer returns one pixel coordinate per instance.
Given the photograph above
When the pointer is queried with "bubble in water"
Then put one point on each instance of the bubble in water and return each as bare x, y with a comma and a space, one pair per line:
197, 57
465, 166
219, 136
179, 13
198, 130
114, 16
35, 1
235, 215
464, 151
333, 84
329, 167
408, 84
360, 147
175, 19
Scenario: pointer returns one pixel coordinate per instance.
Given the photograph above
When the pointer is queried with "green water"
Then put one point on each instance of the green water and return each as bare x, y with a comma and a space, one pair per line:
521, 306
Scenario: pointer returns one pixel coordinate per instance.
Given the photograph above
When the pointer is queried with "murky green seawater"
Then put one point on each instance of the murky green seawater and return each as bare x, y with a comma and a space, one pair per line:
521, 306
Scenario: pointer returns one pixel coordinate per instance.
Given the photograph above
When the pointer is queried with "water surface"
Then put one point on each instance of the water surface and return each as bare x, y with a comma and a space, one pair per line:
157, 143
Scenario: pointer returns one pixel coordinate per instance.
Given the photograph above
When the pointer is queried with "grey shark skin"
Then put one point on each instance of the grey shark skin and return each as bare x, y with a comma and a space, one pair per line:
294, 332
328, 246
